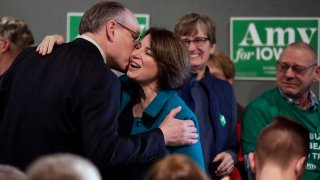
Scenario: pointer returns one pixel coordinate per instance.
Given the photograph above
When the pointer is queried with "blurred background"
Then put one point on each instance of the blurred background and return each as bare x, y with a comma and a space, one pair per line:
50, 17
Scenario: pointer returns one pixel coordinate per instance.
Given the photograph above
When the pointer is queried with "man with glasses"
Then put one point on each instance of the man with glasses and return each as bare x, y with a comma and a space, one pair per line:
69, 101
297, 70
136, 36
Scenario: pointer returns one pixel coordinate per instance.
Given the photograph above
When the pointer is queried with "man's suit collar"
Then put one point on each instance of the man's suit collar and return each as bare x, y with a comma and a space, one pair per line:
96, 44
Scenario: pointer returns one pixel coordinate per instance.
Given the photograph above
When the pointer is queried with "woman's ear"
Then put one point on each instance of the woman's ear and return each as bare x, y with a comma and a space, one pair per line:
213, 49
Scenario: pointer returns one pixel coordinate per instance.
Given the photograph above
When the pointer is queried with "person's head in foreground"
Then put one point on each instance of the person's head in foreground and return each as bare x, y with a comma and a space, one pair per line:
62, 167
8, 172
281, 150
176, 167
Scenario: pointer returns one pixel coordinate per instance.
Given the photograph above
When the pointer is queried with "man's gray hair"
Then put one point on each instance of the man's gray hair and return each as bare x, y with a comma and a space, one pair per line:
100, 14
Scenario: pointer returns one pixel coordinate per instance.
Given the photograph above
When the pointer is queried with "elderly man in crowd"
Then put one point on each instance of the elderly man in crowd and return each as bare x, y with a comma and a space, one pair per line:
297, 70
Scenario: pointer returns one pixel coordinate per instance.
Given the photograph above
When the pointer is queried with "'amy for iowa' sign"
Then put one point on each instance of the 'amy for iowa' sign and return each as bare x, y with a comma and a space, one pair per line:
256, 43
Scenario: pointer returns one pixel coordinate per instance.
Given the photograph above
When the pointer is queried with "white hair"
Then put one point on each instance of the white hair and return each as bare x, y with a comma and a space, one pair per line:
62, 166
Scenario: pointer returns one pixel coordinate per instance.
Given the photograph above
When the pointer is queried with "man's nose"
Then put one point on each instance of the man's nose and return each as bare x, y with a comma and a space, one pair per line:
289, 72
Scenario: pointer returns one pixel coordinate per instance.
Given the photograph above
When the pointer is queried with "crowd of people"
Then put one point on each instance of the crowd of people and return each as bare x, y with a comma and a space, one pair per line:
173, 114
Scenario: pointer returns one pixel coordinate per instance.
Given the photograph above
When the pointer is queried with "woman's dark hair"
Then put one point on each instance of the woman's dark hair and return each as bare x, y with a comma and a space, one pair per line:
172, 57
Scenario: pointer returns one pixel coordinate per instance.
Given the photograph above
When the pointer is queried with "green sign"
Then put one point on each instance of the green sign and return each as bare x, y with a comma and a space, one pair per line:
257, 43
143, 20
73, 21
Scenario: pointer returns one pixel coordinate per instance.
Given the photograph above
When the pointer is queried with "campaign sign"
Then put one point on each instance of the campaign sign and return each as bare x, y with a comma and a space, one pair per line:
257, 43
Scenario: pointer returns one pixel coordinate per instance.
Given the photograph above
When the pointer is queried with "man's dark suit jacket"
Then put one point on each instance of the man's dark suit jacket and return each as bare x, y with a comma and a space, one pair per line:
67, 102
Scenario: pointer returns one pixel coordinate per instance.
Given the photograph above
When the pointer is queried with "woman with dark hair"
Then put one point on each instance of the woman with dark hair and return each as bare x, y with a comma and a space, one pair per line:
158, 66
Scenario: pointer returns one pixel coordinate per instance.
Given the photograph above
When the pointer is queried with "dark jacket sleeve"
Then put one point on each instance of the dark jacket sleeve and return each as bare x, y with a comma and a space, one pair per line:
99, 110
232, 142
228, 107
68, 101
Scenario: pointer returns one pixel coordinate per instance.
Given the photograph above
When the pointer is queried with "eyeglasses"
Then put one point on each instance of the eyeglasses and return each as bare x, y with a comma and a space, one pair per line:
135, 35
297, 69
198, 41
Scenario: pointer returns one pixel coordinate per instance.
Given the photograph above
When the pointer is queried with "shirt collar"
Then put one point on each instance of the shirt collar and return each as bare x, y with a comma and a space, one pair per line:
158, 102
155, 107
313, 105
96, 44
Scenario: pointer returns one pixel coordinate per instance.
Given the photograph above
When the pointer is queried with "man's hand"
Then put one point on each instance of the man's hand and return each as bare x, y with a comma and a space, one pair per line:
46, 46
226, 165
177, 132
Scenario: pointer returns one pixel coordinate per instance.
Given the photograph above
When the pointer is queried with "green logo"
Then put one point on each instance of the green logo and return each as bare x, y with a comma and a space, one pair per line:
222, 120
143, 20
73, 21
257, 43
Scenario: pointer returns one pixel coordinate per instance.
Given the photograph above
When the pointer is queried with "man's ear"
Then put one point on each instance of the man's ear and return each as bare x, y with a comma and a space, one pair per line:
317, 75
252, 160
110, 30
300, 166
4, 45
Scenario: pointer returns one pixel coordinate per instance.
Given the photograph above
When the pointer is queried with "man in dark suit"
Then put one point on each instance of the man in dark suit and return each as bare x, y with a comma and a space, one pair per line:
69, 101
